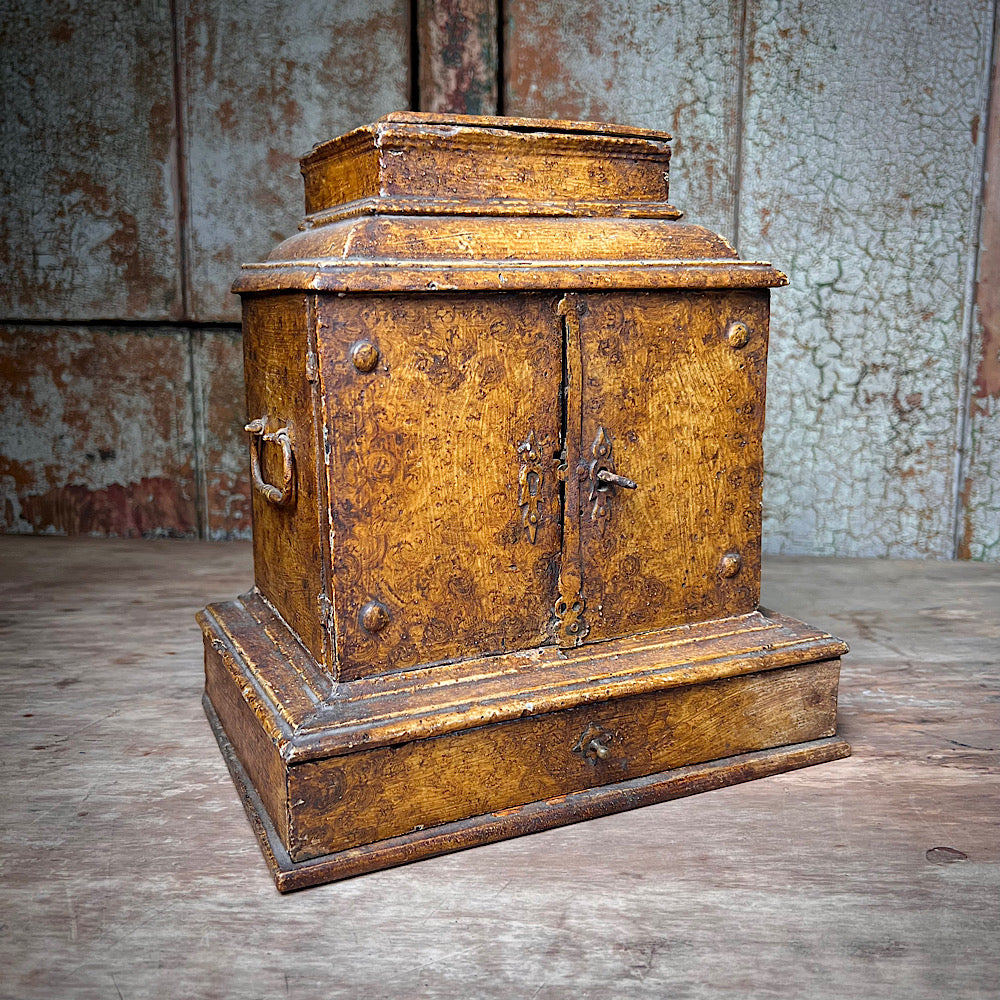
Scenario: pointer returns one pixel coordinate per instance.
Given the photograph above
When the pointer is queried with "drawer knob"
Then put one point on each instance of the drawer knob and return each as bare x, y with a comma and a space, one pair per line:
374, 616
364, 355
593, 744
738, 335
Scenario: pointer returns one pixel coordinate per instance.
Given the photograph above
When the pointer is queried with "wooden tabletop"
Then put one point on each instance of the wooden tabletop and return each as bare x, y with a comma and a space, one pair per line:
129, 869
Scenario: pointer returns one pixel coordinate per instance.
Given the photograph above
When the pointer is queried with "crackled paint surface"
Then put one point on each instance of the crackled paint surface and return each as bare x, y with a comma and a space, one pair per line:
263, 82
844, 142
87, 186
862, 159
673, 66
97, 432
980, 527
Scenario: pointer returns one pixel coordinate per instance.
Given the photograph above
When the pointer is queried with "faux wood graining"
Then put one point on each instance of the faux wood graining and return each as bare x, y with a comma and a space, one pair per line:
424, 463
362, 797
506, 417
288, 540
677, 381
496, 164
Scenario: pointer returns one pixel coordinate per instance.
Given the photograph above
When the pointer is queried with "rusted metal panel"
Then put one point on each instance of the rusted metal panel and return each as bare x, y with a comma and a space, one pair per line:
862, 158
88, 204
979, 536
220, 405
96, 432
457, 56
672, 66
262, 82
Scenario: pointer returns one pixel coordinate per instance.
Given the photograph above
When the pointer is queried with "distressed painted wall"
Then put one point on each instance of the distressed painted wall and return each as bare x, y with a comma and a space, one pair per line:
262, 82
845, 143
123, 461
88, 181
148, 148
979, 534
862, 152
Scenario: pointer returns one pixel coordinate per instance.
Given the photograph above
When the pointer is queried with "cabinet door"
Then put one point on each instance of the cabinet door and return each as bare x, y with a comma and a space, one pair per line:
672, 398
442, 417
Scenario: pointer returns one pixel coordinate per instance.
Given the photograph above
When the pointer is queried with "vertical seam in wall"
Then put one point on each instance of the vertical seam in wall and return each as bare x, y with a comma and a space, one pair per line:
198, 433
963, 430
501, 43
741, 69
183, 258
414, 56
180, 162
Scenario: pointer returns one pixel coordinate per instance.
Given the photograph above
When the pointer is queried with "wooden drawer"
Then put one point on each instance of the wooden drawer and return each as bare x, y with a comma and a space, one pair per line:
340, 802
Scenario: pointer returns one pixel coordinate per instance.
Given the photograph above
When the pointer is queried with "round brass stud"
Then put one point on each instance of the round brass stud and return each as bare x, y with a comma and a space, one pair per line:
364, 355
374, 616
738, 335
730, 564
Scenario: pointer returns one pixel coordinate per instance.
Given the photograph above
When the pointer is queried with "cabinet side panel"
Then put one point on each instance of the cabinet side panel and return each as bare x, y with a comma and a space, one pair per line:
430, 455
286, 542
676, 381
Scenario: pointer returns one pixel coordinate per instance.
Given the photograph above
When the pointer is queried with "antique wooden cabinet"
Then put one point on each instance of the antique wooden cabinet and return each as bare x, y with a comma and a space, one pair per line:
505, 418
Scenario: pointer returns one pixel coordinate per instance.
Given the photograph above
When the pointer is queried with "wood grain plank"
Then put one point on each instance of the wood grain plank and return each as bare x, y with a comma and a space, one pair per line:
88, 179
457, 56
263, 82
98, 432
978, 535
128, 864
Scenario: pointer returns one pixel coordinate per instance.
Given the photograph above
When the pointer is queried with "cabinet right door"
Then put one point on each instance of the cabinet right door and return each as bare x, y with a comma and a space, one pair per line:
672, 400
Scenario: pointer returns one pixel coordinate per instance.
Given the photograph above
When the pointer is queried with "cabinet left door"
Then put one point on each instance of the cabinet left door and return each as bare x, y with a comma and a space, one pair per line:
442, 420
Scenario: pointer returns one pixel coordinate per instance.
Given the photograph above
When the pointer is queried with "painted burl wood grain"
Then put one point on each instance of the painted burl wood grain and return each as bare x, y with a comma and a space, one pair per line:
682, 403
360, 798
424, 464
289, 546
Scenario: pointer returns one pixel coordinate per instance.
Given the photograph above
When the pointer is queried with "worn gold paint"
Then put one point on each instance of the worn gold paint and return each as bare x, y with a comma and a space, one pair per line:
518, 511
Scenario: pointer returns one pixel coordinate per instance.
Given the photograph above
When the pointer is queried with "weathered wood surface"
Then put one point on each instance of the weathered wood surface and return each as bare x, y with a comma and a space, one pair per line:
259, 84
860, 176
89, 183
128, 867
456, 57
978, 536
98, 429
864, 171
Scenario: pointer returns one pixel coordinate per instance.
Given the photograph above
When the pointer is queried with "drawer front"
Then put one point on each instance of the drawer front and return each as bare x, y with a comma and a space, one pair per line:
343, 802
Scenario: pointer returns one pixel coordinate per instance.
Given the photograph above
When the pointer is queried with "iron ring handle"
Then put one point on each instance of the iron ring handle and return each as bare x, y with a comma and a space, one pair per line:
275, 494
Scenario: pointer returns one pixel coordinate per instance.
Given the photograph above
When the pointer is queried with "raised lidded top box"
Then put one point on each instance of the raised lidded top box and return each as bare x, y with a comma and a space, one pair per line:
409, 162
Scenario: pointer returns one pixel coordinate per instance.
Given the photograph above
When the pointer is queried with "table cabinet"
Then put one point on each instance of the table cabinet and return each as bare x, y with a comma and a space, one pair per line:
505, 415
